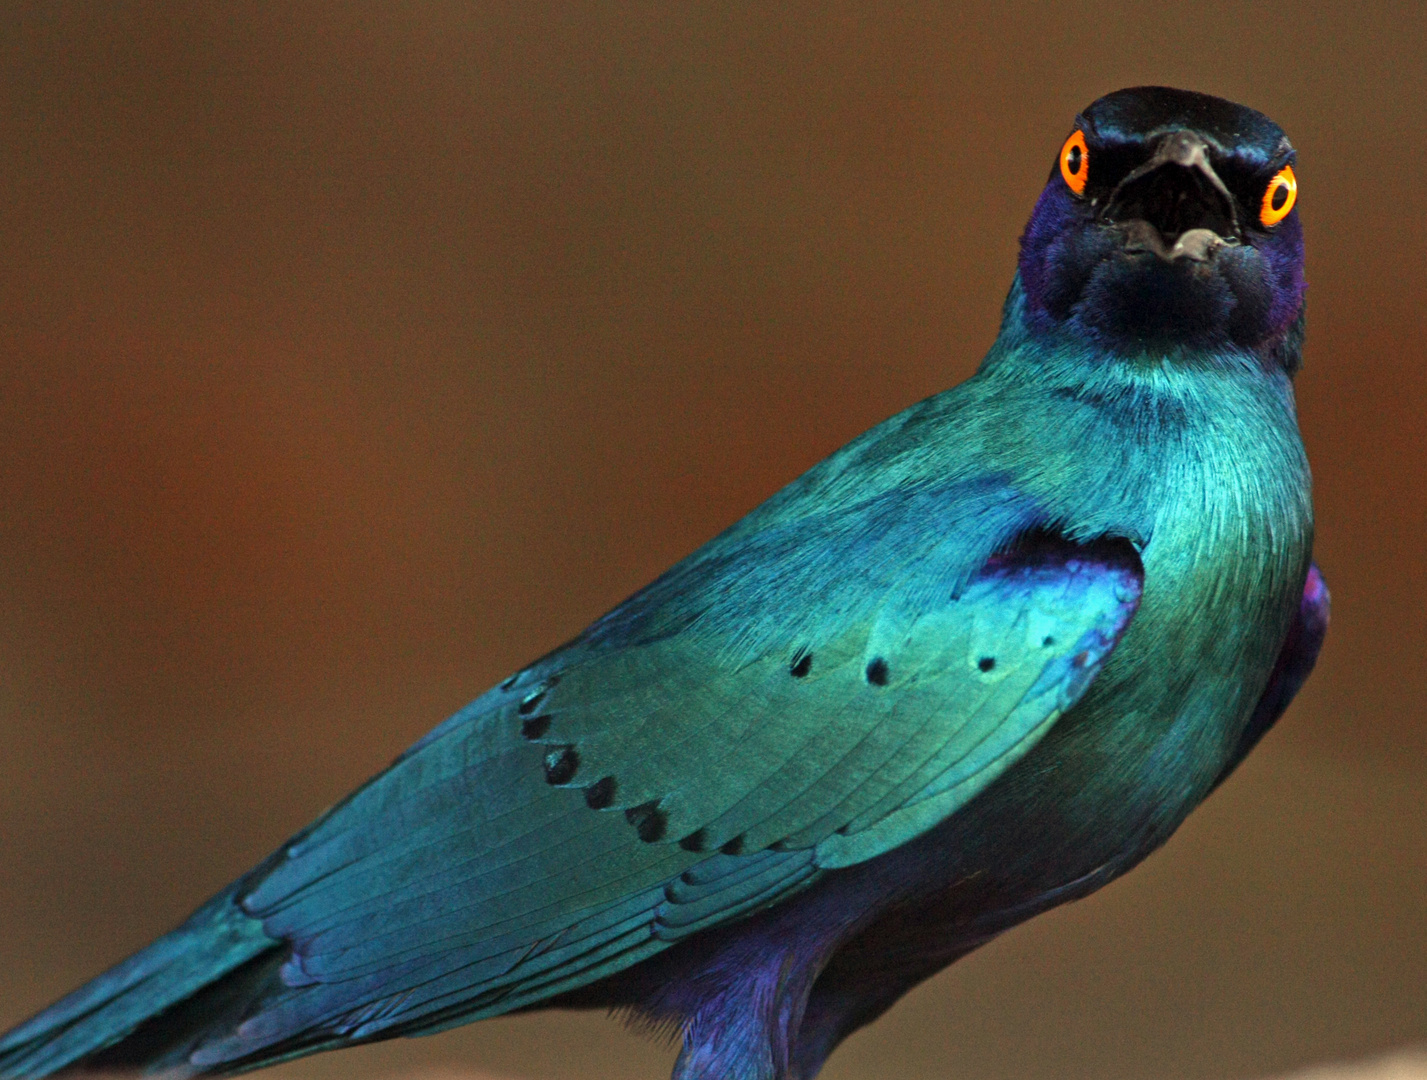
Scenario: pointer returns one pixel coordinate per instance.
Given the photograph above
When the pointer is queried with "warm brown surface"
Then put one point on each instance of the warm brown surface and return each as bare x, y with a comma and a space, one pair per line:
1405, 1066
350, 362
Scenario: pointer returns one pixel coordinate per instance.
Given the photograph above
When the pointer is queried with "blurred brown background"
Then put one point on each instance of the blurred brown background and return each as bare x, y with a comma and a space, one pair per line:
352, 357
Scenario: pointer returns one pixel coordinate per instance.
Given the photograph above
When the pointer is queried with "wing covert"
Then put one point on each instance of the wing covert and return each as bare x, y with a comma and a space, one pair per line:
610, 800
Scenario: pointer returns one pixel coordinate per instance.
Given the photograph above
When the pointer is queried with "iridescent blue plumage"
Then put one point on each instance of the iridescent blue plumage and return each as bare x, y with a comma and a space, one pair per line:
979, 662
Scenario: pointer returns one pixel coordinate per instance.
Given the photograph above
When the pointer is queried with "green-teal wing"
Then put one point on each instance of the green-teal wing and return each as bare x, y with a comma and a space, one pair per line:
685, 763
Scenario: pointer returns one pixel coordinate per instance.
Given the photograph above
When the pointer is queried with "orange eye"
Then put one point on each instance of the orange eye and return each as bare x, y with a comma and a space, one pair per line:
1075, 162
1279, 198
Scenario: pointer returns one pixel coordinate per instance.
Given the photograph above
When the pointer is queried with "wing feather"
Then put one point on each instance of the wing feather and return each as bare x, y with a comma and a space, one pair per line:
708, 749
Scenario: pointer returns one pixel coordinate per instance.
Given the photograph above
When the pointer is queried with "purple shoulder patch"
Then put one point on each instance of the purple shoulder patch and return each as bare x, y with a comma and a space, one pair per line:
1291, 669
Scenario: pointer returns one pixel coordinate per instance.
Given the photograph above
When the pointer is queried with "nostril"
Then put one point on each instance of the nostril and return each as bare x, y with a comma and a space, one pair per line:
1183, 148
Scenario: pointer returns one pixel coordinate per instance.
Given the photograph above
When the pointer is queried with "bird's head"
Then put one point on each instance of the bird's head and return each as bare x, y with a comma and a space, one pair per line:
1168, 221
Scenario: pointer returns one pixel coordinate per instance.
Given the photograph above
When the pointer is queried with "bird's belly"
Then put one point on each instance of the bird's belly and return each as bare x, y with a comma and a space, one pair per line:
1025, 845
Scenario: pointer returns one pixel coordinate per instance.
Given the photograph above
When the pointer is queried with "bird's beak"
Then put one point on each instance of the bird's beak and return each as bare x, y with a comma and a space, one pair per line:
1174, 205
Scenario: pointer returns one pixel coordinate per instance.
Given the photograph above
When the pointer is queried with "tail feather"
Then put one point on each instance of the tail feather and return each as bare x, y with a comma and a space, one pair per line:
145, 995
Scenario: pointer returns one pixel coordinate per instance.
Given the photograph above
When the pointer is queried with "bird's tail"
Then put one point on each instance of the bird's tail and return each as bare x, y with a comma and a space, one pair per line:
149, 1011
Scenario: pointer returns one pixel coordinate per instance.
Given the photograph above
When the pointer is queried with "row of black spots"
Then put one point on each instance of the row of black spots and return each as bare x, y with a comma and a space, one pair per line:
699, 840
649, 821
801, 664
878, 670
561, 764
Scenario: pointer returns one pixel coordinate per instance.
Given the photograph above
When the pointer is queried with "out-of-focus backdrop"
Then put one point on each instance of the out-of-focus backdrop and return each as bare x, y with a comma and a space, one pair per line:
352, 356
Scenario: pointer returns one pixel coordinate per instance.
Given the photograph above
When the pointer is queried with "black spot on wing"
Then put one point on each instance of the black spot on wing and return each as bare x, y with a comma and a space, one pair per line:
649, 821
561, 764
600, 794
878, 672
532, 700
534, 727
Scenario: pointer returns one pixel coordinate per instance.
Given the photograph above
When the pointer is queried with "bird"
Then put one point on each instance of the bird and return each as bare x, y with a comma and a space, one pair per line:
977, 663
